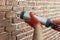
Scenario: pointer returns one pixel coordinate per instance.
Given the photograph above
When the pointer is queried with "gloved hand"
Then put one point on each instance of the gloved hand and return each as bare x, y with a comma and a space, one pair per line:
58, 23
57, 29
32, 21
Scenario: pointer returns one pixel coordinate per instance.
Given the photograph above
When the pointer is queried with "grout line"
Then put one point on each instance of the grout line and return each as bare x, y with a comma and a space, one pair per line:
25, 33
49, 34
27, 37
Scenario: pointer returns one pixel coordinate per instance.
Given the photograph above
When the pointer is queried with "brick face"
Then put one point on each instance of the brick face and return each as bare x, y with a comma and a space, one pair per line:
10, 28
5, 22
1, 29
11, 2
2, 2
5, 8
32, 3
17, 8
3, 36
14, 28
2, 15
23, 3
10, 15
15, 20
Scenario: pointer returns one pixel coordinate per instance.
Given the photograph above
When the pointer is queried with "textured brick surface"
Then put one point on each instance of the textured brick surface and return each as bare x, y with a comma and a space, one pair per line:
3, 36
15, 20
5, 8
14, 28
2, 15
2, 2
11, 2
10, 15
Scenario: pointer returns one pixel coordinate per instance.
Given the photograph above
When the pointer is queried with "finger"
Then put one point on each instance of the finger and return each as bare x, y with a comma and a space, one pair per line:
32, 16
56, 21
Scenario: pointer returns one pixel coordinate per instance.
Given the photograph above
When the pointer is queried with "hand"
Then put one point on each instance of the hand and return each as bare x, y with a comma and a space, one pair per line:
57, 29
32, 21
56, 21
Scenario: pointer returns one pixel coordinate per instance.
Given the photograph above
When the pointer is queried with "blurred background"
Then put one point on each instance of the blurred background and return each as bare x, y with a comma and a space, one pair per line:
14, 28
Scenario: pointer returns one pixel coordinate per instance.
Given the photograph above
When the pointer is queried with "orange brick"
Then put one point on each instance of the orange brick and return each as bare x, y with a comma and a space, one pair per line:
22, 25
27, 29
11, 28
9, 36
35, 8
2, 15
1, 29
16, 20
17, 8
29, 38
23, 3
11, 2
10, 15
5, 8
2, 2
3, 36
5, 22
20, 36
41, 3
31, 3
13, 37
16, 32
28, 8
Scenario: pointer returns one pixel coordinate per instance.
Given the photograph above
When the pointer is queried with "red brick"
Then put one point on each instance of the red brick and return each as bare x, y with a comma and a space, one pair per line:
9, 36
2, 2
1, 29
41, 3
10, 15
3, 36
23, 3
20, 36
5, 22
11, 2
32, 3
16, 32
11, 28
29, 38
2, 15
28, 8
31, 32
5, 8
16, 20
35, 8
13, 37
27, 29
17, 8
22, 25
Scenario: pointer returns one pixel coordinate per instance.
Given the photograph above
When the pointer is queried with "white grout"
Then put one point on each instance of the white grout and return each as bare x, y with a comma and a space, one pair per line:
24, 33
27, 37
49, 34
53, 36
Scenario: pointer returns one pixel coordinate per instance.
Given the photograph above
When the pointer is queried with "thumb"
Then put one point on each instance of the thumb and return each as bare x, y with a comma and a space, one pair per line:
32, 16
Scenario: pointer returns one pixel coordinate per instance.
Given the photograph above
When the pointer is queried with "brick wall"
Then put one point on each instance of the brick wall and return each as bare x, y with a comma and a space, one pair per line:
14, 28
